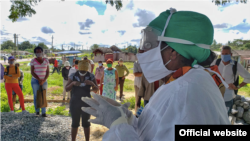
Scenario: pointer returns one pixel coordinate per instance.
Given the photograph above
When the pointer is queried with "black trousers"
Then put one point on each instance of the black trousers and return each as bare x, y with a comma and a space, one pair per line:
121, 83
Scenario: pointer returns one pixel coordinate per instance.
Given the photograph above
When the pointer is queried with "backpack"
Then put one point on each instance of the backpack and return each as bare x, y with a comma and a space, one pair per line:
2, 72
236, 80
8, 69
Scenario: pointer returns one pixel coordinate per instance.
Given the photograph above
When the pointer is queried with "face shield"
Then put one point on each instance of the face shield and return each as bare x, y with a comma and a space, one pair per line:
149, 38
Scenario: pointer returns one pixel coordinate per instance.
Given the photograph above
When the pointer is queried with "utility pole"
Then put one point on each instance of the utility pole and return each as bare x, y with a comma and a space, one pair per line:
74, 46
52, 42
15, 45
68, 47
62, 47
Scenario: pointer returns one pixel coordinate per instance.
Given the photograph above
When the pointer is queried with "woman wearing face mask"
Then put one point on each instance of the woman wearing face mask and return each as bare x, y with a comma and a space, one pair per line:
65, 73
79, 84
11, 75
40, 73
99, 71
110, 81
176, 49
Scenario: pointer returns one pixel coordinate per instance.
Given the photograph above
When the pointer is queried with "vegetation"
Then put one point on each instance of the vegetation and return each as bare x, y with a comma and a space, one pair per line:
130, 49
23, 8
131, 100
237, 44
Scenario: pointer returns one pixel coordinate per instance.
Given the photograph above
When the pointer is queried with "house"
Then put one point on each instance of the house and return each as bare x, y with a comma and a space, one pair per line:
113, 52
244, 57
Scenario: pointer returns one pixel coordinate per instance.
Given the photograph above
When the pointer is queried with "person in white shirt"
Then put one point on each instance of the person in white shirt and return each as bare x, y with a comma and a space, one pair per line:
137, 82
226, 67
91, 64
176, 50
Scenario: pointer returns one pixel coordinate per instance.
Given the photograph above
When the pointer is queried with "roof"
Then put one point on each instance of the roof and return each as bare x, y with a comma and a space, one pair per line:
243, 53
104, 50
115, 48
69, 52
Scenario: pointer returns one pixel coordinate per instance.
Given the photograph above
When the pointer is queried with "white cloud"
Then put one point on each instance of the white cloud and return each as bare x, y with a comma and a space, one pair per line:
64, 17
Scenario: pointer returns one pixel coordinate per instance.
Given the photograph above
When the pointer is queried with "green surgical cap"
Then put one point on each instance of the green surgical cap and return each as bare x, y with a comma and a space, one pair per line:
190, 26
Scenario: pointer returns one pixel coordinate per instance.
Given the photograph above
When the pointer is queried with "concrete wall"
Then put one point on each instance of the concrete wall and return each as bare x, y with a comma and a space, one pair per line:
127, 57
99, 58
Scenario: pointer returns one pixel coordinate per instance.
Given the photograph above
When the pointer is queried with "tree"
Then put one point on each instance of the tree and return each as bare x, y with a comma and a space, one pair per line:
247, 46
25, 45
94, 46
72, 48
42, 45
23, 8
223, 2
8, 45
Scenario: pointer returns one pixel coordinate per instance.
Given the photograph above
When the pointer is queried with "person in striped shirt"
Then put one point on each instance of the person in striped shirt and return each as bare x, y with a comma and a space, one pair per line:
40, 73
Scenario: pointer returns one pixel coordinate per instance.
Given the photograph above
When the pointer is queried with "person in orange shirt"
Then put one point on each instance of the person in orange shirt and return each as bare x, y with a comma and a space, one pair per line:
11, 75
55, 66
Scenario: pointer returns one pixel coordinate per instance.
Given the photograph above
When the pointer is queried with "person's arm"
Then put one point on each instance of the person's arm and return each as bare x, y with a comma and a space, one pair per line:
21, 77
116, 80
71, 83
136, 73
141, 92
92, 67
47, 74
6, 76
127, 71
92, 83
102, 79
16, 75
243, 73
33, 73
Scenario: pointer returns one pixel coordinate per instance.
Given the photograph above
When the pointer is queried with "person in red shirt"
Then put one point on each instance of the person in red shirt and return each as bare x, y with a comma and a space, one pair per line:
55, 62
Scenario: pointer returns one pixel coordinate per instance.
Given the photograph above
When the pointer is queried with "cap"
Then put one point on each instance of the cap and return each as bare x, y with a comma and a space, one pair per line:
83, 65
66, 64
11, 57
120, 59
109, 60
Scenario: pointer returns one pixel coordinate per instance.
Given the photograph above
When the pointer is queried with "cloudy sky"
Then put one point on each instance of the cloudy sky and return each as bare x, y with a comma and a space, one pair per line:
84, 23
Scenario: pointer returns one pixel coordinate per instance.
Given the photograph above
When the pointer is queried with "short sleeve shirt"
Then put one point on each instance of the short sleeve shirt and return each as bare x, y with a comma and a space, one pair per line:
137, 68
40, 69
91, 62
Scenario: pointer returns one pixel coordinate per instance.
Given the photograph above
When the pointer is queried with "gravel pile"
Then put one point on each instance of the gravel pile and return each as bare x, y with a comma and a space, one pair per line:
240, 114
28, 127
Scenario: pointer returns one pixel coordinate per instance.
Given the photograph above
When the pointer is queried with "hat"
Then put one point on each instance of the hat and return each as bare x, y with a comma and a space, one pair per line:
83, 65
121, 59
195, 28
11, 57
109, 60
66, 64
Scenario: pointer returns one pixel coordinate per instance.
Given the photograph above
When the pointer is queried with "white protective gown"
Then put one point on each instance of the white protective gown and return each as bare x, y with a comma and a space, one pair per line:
191, 99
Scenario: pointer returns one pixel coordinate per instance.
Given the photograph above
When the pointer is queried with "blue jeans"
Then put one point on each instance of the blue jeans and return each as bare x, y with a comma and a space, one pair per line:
35, 86
21, 87
229, 105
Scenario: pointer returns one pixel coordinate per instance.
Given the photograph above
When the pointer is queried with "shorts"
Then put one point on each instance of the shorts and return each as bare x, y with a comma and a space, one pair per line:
76, 113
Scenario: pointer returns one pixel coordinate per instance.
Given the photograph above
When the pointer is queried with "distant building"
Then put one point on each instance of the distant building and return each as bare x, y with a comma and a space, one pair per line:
113, 52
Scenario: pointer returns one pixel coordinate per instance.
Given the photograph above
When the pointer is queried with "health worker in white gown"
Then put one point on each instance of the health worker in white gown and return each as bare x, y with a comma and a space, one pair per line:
175, 47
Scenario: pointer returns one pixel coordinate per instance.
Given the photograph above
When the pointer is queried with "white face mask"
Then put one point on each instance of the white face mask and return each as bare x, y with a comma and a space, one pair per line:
82, 74
100, 64
151, 61
153, 67
39, 54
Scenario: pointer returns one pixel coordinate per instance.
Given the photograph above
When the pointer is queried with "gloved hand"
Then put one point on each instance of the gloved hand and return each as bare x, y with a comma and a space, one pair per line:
128, 113
106, 114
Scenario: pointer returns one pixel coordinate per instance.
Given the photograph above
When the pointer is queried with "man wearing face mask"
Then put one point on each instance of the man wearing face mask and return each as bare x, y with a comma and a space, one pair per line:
79, 84
99, 71
177, 50
65, 73
230, 70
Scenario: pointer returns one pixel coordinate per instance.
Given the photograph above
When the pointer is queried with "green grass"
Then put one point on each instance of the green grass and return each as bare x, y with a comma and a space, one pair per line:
244, 90
131, 100
60, 110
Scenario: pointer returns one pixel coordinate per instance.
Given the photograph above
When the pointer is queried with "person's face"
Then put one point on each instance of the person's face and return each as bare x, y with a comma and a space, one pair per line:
169, 54
226, 52
120, 62
38, 51
109, 64
11, 61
